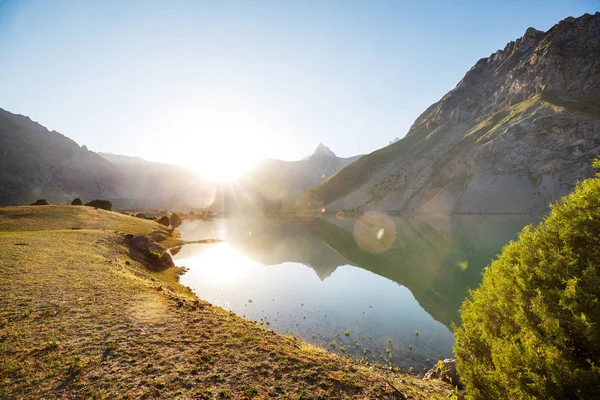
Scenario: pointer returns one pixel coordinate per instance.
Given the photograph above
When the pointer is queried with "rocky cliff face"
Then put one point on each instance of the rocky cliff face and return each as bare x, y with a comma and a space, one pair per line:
518, 131
37, 163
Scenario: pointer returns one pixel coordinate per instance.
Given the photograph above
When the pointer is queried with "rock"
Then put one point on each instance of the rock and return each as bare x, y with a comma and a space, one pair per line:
447, 373
152, 252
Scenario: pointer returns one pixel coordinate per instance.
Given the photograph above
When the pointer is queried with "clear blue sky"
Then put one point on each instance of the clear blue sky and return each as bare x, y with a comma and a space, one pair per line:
184, 81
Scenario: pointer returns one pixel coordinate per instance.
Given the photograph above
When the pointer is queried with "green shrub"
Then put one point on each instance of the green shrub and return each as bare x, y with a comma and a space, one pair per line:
532, 329
155, 254
77, 202
103, 204
41, 202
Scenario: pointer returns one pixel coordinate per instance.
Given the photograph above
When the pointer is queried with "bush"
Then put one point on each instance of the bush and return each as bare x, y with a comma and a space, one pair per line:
175, 220
532, 329
41, 202
77, 202
164, 220
103, 204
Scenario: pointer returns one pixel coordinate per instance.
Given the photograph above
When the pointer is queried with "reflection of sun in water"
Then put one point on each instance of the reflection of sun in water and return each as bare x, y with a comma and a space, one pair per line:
219, 265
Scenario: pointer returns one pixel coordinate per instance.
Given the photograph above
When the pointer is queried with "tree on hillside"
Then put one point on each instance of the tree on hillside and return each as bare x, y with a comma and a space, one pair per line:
41, 202
532, 329
77, 202
176, 220
97, 203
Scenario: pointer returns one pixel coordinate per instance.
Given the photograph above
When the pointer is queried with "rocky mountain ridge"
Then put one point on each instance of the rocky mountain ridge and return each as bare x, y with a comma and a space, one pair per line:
38, 163
518, 131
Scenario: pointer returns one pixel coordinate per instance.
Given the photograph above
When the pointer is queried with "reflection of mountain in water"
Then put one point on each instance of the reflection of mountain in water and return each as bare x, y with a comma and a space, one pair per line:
273, 242
437, 258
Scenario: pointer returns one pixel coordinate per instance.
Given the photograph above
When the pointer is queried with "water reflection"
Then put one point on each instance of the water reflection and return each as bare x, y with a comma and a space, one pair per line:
376, 289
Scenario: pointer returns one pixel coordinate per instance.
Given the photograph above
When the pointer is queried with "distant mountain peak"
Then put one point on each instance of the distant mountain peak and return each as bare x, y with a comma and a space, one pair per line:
394, 141
323, 150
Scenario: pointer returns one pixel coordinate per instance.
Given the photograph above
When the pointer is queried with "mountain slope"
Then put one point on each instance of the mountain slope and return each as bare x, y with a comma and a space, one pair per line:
272, 182
518, 131
285, 179
152, 184
38, 163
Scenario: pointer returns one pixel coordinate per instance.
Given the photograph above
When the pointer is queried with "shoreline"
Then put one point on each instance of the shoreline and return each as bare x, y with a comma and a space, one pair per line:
95, 322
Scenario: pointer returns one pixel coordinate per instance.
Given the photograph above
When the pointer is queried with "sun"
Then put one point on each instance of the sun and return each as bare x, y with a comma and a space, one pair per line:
224, 165
220, 143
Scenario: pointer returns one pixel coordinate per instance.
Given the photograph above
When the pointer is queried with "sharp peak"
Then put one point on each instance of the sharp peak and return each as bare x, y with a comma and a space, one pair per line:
323, 150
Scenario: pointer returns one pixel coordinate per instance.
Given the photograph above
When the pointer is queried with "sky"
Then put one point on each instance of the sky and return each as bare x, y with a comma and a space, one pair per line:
218, 85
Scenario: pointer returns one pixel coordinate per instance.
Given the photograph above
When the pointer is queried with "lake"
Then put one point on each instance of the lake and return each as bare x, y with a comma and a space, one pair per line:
386, 288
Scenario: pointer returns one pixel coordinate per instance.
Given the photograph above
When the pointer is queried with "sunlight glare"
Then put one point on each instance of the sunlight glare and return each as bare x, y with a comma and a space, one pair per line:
221, 143
219, 265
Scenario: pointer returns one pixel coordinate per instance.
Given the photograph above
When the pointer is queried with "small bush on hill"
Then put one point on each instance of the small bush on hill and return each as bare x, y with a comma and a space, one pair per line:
41, 202
77, 202
532, 329
104, 204
175, 220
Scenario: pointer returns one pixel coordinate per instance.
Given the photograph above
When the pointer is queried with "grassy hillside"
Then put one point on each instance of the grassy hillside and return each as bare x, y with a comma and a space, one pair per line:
79, 318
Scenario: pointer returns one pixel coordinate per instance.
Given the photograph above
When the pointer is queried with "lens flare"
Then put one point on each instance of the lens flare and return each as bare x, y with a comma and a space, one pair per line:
374, 232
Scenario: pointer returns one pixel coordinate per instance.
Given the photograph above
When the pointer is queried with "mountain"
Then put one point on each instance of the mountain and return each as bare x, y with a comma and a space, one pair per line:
518, 131
38, 163
152, 184
322, 151
285, 179
272, 182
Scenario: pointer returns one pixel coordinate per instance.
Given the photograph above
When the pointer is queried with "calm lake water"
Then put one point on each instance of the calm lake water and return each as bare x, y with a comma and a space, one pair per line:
361, 287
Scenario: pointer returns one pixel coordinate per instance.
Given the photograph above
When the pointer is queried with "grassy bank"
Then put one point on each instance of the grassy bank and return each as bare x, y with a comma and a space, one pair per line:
80, 318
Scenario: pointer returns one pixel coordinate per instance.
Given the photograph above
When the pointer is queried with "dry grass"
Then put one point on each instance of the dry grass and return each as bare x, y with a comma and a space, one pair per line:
80, 319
